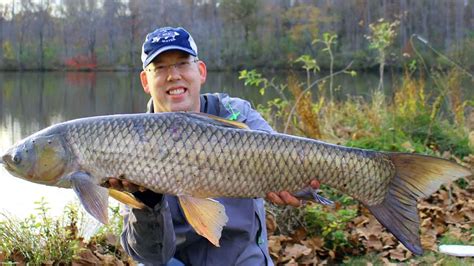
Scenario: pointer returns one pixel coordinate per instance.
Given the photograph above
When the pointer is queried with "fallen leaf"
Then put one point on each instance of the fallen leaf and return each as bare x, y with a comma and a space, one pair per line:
315, 243
274, 246
86, 257
332, 254
299, 234
374, 243
388, 241
428, 240
295, 251
271, 224
397, 254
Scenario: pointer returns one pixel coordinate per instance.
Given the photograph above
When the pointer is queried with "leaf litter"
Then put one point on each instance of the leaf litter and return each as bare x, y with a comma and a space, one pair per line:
446, 217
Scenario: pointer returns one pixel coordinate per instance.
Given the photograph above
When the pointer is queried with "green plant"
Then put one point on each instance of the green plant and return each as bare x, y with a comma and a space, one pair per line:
382, 36
309, 65
329, 40
39, 238
254, 79
330, 224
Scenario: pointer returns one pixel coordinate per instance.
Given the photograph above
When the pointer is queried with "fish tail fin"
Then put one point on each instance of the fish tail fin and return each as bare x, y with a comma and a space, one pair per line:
417, 176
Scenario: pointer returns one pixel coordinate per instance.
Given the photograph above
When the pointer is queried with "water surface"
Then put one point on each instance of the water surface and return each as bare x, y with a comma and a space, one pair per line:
30, 101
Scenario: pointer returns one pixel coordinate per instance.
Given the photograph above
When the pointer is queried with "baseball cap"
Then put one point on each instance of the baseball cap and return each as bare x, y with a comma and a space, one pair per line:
164, 39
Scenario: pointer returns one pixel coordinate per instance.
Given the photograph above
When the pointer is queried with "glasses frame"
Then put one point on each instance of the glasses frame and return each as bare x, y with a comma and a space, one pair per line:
165, 69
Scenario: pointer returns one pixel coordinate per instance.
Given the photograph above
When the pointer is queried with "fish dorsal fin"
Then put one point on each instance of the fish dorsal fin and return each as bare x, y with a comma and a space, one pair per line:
93, 198
126, 198
218, 120
206, 216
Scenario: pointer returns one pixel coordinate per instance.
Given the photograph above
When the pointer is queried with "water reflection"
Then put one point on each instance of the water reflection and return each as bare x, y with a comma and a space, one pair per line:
31, 101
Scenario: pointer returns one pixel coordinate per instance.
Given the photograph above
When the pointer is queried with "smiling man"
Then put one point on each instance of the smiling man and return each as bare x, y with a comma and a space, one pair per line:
159, 234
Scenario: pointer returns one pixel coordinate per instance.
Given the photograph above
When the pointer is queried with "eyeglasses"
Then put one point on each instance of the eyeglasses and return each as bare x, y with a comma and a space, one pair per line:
181, 66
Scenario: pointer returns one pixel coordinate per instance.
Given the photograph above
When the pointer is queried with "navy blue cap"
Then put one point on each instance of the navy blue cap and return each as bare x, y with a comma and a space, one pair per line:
164, 39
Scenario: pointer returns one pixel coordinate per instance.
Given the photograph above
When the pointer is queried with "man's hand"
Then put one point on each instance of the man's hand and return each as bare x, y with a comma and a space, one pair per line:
279, 198
144, 195
121, 185
285, 198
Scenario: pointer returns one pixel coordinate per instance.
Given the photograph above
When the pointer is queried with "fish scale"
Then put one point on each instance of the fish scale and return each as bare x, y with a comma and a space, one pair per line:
196, 156
278, 162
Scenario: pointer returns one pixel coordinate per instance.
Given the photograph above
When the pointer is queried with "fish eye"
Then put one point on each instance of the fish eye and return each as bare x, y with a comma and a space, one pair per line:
16, 159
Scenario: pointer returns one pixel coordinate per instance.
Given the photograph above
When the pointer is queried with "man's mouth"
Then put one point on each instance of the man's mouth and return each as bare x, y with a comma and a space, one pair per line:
176, 91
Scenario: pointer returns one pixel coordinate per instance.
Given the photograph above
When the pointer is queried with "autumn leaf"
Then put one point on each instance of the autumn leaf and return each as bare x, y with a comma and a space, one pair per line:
296, 251
374, 243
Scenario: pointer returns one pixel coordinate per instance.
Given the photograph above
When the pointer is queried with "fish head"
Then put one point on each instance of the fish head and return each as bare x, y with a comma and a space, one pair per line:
38, 159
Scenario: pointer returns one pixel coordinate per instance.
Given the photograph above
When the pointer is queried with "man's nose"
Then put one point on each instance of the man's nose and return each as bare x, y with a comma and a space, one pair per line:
173, 73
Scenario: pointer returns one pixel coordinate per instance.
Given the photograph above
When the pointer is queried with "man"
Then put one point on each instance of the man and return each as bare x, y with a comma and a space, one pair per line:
159, 234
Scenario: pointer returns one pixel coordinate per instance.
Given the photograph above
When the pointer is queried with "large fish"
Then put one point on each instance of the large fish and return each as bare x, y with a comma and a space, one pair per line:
198, 157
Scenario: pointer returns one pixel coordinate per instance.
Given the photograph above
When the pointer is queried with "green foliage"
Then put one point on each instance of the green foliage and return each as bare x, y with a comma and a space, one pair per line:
309, 63
43, 239
329, 224
8, 51
382, 36
329, 40
302, 23
337, 196
274, 111
448, 239
107, 239
410, 121
40, 238
255, 79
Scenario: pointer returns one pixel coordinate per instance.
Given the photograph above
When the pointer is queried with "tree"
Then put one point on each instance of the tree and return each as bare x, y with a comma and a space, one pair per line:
111, 10
302, 25
242, 12
42, 16
382, 36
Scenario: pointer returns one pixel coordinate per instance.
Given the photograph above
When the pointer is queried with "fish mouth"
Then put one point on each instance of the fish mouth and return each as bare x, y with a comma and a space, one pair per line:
4, 162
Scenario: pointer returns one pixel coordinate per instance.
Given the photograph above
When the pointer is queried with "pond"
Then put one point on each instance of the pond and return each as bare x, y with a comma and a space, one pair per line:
30, 101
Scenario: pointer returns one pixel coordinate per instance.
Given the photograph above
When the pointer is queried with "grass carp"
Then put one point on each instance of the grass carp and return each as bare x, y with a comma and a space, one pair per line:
197, 157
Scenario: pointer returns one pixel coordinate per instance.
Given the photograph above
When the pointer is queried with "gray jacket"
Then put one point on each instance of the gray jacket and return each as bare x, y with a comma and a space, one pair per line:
156, 235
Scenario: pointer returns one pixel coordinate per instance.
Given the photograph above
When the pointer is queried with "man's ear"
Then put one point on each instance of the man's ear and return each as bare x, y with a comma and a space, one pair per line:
144, 80
202, 71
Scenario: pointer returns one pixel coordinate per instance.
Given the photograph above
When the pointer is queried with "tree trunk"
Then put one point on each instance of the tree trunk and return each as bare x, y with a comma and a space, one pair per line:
41, 48
459, 25
447, 20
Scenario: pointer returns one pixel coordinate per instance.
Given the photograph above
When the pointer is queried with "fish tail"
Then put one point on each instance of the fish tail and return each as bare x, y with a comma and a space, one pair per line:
417, 176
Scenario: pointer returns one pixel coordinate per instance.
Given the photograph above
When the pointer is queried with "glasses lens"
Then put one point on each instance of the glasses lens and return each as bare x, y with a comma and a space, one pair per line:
181, 66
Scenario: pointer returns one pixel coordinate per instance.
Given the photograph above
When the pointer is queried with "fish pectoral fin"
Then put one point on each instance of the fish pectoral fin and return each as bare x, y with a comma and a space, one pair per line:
206, 216
219, 121
93, 197
126, 198
309, 193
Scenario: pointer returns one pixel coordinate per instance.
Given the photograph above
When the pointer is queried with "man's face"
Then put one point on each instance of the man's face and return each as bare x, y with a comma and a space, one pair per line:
174, 81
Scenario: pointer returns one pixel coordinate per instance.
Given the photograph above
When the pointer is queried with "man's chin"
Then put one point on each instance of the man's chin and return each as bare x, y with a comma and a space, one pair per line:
180, 108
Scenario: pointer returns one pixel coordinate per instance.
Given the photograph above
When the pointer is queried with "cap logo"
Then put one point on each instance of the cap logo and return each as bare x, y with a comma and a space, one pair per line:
166, 36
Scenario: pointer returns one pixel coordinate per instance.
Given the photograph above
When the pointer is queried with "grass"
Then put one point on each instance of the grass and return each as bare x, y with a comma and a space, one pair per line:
414, 119
40, 238
43, 239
